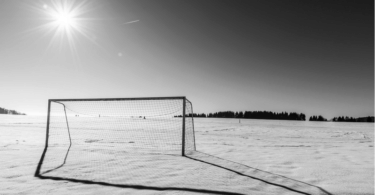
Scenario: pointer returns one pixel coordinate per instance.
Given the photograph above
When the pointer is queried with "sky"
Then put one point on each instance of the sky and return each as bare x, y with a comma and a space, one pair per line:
314, 57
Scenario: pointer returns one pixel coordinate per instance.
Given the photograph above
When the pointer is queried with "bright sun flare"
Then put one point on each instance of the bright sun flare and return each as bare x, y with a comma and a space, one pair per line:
64, 15
66, 23
65, 19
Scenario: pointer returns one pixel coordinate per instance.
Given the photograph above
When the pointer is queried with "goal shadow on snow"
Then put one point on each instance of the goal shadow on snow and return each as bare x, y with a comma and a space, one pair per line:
196, 173
265, 177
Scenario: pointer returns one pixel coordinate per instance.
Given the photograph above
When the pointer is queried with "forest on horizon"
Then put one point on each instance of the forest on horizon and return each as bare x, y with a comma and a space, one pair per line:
251, 115
277, 116
12, 112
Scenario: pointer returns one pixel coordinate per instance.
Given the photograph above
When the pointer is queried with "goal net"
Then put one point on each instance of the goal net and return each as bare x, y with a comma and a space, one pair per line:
92, 131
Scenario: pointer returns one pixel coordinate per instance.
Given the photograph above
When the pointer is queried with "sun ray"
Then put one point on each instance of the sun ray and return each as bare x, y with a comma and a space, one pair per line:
64, 22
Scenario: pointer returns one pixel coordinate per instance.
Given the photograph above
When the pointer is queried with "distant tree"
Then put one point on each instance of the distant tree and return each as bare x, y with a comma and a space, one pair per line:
12, 112
317, 118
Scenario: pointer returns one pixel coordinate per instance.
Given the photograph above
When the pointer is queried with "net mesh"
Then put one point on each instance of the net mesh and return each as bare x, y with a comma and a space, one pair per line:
100, 128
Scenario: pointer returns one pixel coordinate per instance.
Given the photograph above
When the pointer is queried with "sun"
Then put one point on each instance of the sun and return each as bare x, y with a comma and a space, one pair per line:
65, 16
65, 19
66, 22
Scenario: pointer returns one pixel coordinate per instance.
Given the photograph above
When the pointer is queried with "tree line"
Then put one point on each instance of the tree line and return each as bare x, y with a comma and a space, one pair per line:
351, 119
276, 116
13, 112
251, 115
343, 119
317, 118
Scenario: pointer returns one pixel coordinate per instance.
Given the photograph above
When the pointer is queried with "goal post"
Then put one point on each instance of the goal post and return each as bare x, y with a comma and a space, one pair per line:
110, 127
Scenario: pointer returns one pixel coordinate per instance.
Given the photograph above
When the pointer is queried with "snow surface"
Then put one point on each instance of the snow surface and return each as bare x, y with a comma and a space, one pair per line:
251, 157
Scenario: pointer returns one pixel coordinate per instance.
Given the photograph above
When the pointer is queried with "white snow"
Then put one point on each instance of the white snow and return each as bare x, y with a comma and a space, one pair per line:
251, 157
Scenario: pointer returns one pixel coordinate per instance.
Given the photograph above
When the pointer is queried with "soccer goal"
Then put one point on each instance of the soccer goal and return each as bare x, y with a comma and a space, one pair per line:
116, 126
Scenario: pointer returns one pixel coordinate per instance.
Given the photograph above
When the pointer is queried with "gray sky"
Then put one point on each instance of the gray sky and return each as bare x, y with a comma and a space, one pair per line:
315, 57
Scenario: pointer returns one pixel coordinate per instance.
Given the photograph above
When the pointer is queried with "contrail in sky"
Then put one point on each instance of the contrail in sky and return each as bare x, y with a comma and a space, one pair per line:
131, 22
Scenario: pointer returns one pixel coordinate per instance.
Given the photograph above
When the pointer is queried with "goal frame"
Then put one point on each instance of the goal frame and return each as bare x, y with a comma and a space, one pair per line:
183, 98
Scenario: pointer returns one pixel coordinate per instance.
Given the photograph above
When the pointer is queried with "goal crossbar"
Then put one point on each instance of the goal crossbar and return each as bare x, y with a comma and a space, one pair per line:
113, 99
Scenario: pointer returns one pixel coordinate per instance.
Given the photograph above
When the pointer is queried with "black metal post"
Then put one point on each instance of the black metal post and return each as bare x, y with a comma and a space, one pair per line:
192, 119
67, 125
183, 125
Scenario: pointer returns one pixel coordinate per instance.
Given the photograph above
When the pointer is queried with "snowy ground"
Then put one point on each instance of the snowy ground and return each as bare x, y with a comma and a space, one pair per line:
251, 157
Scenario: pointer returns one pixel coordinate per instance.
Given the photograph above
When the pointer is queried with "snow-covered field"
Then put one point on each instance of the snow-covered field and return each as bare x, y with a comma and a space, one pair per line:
251, 157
